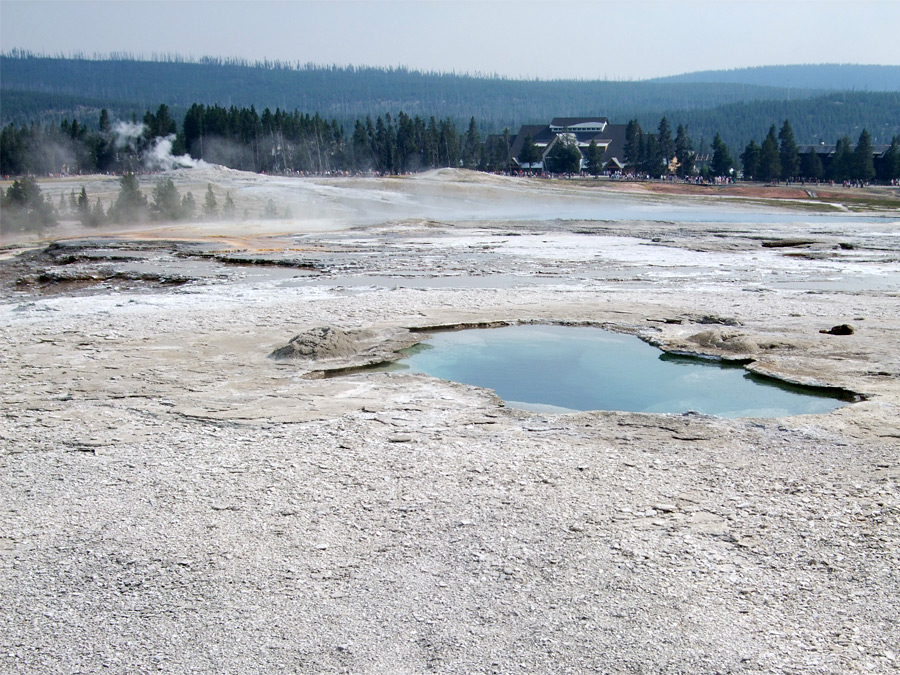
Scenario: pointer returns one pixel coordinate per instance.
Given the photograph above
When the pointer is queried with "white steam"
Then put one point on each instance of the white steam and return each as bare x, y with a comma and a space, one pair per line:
160, 157
127, 133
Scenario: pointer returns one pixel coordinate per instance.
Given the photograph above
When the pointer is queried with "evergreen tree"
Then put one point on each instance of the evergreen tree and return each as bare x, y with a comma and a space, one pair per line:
631, 151
97, 215
104, 124
483, 156
102, 145
192, 129
890, 166
594, 158
811, 165
448, 144
790, 159
529, 154
408, 148
228, 209
863, 163
210, 205
507, 161
160, 124
84, 207
384, 142
471, 144
432, 144
641, 153
166, 203
722, 164
418, 131
362, 150
664, 143
179, 147
651, 164
130, 205
564, 156
12, 152
750, 160
841, 168
24, 207
769, 158
684, 151
188, 207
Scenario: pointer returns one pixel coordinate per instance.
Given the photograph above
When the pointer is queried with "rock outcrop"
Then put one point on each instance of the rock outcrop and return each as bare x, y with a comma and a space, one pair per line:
323, 342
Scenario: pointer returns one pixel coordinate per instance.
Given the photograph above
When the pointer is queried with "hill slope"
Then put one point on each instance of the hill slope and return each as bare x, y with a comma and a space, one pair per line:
830, 76
349, 93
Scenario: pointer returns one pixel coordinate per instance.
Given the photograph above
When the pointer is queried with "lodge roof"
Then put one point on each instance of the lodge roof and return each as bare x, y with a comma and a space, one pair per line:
616, 148
827, 150
540, 135
573, 121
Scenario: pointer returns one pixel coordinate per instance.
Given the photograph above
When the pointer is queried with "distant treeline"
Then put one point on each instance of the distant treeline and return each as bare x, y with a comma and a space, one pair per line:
241, 138
294, 142
778, 157
49, 90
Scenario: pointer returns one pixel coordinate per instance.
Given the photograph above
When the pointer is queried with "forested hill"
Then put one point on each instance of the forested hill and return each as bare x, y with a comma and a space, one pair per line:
51, 90
344, 94
828, 76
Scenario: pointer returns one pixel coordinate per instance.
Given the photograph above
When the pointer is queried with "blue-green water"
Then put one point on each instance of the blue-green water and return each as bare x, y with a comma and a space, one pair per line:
563, 368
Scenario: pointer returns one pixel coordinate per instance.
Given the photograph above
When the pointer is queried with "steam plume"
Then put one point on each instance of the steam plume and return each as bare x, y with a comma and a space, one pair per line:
160, 156
127, 133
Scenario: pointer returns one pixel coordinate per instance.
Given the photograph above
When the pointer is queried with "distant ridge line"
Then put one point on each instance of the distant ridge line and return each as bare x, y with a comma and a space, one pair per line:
814, 76
278, 64
823, 76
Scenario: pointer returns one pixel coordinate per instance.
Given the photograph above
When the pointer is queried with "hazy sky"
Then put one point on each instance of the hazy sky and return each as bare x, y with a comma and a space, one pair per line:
626, 39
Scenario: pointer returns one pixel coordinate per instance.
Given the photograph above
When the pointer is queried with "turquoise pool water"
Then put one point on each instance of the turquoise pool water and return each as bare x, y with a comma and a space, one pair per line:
563, 368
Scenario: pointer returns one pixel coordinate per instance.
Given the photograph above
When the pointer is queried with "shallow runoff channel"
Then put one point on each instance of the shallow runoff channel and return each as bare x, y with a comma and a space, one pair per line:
553, 368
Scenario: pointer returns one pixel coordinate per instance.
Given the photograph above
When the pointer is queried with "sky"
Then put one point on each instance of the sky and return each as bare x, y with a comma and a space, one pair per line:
578, 39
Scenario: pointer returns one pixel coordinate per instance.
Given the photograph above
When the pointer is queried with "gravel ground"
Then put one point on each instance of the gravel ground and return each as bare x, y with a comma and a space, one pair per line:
173, 500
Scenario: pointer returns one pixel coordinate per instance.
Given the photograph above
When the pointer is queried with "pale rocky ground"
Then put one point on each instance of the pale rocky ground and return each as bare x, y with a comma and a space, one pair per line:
171, 499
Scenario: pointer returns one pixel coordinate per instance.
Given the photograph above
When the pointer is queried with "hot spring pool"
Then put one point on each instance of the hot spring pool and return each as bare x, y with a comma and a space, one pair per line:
564, 368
